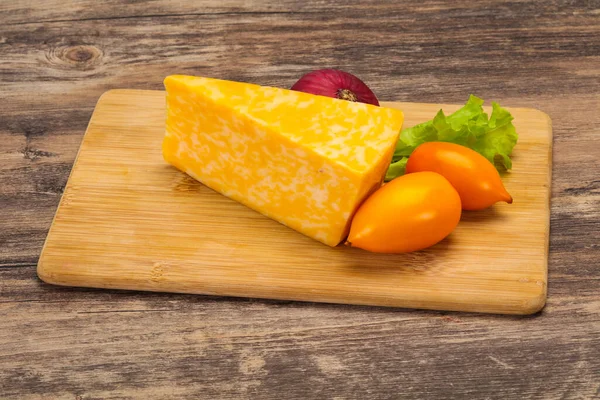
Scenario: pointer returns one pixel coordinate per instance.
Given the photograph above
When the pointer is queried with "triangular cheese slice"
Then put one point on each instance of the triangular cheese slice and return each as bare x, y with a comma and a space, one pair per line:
306, 161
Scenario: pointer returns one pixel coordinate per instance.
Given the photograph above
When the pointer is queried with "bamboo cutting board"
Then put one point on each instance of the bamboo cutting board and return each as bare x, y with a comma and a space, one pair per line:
127, 220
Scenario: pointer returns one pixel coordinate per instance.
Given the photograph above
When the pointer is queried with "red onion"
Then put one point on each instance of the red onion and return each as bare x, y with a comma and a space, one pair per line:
337, 84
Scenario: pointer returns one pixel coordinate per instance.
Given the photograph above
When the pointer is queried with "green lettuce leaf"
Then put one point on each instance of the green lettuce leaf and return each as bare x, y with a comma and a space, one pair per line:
494, 138
396, 169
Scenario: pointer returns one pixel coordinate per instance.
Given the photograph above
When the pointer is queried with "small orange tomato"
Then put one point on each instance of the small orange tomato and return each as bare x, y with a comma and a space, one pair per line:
409, 213
475, 178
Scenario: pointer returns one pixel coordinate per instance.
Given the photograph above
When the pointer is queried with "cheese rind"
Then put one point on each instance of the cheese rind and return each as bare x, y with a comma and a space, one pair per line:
306, 161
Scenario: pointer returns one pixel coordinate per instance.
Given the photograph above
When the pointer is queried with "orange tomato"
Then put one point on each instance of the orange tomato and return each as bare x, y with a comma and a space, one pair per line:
409, 213
475, 178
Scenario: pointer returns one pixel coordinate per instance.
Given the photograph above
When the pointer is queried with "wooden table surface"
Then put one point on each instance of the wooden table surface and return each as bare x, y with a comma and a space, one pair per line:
58, 57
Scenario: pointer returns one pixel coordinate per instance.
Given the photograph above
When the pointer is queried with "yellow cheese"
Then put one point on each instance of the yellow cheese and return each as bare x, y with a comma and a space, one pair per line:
306, 161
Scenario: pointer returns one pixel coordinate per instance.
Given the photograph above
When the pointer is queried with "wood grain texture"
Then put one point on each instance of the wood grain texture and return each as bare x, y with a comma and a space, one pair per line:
127, 220
58, 57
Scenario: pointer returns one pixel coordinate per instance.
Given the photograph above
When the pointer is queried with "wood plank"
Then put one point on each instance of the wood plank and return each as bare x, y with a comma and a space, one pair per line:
79, 61
33, 12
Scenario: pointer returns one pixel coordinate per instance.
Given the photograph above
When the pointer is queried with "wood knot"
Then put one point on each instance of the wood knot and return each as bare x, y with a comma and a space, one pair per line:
82, 57
186, 183
79, 54
33, 154
157, 271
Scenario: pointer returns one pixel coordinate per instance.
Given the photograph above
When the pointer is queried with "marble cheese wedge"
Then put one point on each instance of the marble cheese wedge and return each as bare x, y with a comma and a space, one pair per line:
304, 160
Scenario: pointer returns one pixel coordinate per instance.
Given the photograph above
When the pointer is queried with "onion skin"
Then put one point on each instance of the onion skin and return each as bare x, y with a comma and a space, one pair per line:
336, 84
